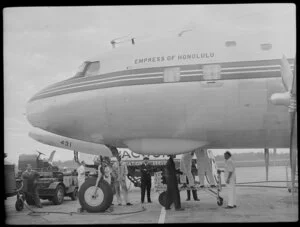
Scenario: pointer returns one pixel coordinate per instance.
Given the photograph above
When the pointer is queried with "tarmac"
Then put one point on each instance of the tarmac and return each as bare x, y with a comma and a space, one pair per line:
254, 204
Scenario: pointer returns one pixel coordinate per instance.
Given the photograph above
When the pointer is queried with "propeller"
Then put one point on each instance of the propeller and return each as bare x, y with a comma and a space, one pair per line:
288, 99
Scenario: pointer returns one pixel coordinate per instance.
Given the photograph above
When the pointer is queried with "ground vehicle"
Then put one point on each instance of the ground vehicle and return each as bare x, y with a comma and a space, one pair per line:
53, 184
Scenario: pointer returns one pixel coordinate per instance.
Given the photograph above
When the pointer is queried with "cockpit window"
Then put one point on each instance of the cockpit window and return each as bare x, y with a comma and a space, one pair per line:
92, 68
88, 69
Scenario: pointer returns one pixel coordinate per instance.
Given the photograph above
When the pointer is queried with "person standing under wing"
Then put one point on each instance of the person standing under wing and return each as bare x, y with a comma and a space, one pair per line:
230, 180
120, 172
194, 191
81, 174
173, 194
146, 170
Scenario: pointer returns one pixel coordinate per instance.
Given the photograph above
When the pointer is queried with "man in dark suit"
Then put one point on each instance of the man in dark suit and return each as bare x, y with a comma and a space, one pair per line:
173, 194
146, 170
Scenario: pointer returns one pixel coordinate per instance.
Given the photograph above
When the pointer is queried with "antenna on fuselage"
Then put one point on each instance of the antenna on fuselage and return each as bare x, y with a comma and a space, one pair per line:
186, 30
119, 40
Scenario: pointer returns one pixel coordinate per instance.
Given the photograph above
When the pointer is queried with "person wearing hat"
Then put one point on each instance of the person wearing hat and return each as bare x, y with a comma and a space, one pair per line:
146, 171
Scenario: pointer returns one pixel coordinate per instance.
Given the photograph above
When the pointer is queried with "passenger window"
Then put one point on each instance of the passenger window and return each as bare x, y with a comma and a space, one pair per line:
211, 72
92, 69
172, 74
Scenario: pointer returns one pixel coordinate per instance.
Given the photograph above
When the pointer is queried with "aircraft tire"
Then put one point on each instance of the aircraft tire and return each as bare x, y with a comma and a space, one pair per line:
162, 198
103, 199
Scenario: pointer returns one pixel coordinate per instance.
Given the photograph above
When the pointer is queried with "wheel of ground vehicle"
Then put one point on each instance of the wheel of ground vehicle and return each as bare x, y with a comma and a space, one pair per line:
59, 195
220, 201
19, 205
162, 198
74, 194
95, 202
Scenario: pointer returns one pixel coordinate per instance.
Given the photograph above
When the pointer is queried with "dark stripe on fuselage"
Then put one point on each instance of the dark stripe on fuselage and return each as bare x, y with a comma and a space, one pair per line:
160, 69
112, 79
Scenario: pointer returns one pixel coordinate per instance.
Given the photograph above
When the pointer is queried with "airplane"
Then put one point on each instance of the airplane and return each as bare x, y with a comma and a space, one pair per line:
173, 96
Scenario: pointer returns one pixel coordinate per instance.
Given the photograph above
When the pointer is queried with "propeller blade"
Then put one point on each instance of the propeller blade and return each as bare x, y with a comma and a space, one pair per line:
293, 135
293, 148
286, 74
294, 85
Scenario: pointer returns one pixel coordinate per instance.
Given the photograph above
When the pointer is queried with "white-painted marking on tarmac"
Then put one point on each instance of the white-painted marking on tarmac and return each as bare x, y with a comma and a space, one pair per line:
162, 216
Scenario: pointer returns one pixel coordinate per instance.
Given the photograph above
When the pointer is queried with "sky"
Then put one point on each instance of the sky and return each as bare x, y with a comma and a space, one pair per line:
44, 45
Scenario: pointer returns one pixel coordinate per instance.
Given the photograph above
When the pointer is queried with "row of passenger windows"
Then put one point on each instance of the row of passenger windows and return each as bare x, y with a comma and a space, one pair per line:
210, 72
171, 74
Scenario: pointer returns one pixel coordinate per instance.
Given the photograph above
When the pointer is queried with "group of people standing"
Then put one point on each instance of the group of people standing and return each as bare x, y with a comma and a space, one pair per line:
188, 178
116, 175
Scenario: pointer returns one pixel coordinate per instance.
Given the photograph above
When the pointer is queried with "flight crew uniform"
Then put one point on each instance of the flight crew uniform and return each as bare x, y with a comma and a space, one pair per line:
31, 188
146, 170
120, 172
204, 166
81, 175
230, 167
172, 186
186, 168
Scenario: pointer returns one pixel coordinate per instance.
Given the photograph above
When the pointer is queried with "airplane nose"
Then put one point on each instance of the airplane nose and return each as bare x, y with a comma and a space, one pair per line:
35, 113
38, 108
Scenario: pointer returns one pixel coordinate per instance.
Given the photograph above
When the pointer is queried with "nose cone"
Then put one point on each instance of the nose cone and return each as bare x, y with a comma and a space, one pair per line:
35, 113
37, 108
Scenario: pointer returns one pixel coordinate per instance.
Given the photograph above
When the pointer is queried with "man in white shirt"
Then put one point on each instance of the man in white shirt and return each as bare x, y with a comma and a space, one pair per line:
81, 174
230, 180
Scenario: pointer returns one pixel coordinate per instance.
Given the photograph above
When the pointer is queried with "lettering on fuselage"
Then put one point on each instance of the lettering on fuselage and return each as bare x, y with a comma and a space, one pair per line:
131, 155
179, 57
